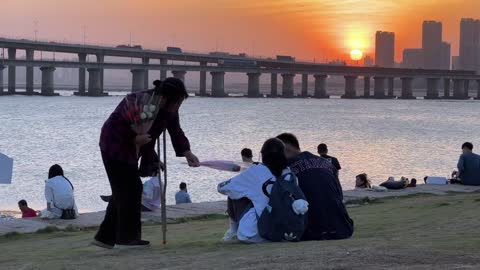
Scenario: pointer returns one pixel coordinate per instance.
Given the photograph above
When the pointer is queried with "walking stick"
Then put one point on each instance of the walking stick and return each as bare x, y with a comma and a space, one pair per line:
164, 186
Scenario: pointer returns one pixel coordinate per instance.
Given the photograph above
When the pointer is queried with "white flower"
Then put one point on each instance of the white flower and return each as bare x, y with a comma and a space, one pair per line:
143, 116
145, 108
153, 108
150, 115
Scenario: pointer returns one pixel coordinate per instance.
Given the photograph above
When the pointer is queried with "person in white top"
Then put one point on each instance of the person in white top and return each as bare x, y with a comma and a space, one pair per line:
249, 184
58, 193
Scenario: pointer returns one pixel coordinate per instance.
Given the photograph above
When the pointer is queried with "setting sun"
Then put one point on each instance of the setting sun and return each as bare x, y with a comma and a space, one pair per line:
356, 55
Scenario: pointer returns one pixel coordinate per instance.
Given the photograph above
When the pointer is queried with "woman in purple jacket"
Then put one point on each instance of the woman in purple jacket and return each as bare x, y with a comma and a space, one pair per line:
122, 147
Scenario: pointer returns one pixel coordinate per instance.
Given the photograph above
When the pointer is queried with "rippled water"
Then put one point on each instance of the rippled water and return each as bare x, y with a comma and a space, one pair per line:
381, 137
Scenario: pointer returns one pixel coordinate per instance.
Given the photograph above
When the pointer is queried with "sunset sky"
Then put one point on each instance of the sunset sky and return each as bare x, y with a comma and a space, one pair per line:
307, 29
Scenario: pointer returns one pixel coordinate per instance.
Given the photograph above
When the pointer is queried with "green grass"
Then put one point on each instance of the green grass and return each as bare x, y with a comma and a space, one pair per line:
426, 232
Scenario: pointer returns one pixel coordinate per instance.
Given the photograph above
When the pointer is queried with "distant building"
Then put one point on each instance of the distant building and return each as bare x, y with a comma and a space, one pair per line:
469, 44
412, 58
432, 44
445, 55
456, 62
368, 61
384, 49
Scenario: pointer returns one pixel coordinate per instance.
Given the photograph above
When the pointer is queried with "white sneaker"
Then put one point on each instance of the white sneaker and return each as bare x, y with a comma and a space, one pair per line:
230, 235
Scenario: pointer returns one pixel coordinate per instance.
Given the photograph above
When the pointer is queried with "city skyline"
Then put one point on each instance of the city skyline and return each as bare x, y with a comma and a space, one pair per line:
306, 29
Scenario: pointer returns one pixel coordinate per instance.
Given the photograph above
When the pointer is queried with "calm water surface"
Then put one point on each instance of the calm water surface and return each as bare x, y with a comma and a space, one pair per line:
383, 138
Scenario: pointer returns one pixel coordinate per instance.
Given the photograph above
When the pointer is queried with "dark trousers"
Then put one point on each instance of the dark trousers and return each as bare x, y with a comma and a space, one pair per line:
122, 223
237, 208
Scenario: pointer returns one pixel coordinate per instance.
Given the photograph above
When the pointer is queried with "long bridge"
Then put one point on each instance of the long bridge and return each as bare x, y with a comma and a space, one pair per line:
217, 64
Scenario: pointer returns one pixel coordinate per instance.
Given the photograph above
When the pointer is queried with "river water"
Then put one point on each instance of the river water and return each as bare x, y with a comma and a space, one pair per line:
383, 138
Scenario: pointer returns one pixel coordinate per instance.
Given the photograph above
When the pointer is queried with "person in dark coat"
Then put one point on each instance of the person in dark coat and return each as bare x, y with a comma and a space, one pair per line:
122, 144
328, 218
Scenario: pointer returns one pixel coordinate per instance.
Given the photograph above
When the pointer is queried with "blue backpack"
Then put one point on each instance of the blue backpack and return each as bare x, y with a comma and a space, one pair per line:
278, 221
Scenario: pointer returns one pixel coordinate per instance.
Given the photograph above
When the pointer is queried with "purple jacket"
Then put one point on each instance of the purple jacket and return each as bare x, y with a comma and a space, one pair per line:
117, 137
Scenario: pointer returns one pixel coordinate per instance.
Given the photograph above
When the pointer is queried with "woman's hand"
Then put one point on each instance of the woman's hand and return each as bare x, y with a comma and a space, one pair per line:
192, 160
142, 139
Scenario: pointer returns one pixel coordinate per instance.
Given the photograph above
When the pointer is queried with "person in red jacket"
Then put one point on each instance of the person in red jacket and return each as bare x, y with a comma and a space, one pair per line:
26, 211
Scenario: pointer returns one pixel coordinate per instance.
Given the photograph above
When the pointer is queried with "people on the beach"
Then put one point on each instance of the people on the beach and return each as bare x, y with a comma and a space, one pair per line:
182, 195
469, 166
322, 150
247, 155
392, 184
327, 215
249, 183
59, 194
362, 181
122, 144
27, 212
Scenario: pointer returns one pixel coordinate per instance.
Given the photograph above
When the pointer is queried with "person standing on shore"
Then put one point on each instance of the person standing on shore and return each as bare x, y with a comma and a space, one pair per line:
323, 152
122, 145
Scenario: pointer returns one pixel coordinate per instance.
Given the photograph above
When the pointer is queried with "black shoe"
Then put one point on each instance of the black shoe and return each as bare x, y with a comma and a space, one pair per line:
101, 244
134, 244
106, 198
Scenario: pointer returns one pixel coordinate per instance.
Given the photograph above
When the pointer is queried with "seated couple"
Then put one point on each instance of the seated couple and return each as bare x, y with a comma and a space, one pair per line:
327, 217
362, 182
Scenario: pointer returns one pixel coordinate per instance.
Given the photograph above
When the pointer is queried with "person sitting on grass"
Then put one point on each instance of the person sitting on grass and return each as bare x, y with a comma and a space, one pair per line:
328, 218
249, 183
26, 211
182, 195
469, 166
59, 196
362, 181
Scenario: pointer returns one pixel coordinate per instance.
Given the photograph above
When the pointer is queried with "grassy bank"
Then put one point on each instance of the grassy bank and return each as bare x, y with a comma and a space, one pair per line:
420, 232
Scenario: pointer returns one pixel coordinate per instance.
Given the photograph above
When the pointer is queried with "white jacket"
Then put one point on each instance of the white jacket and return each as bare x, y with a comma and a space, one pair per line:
59, 194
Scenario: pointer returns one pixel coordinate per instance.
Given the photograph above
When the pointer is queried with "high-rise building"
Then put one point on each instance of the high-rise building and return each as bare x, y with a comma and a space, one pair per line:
469, 44
432, 44
412, 58
368, 61
446, 52
385, 49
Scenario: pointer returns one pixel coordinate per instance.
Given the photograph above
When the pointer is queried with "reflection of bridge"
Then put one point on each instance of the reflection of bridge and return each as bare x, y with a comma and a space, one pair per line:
217, 65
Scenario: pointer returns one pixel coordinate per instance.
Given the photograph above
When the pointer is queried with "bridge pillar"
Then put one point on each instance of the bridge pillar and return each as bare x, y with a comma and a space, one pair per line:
203, 80
218, 84
95, 82
146, 61
253, 84
379, 87
407, 88
163, 73
179, 74
29, 72
47, 81
446, 88
287, 85
320, 86
273, 85
82, 58
432, 88
366, 86
466, 84
304, 85
138, 80
12, 54
1, 79
458, 89
350, 87
478, 87
100, 59
391, 87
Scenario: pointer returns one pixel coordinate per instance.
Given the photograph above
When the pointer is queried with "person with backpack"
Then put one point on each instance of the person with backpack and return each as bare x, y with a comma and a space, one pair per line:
59, 196
328, 218
255, 184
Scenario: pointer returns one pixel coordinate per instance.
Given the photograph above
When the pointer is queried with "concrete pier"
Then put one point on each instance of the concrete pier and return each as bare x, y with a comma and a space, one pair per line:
478, 88
446, 88
47, 81
287, 85
29, 72
379, 87
95, 82
1, 79
466, 85
391, 87
459, 89
320, 86
100, 59
432, 88
82, 58
12, 54
203, 80
146, 61
138, 80
218, 84
366, 87
273, 85
253, 85
350, 87
179, 74
407, 88
304, 85
163, 73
